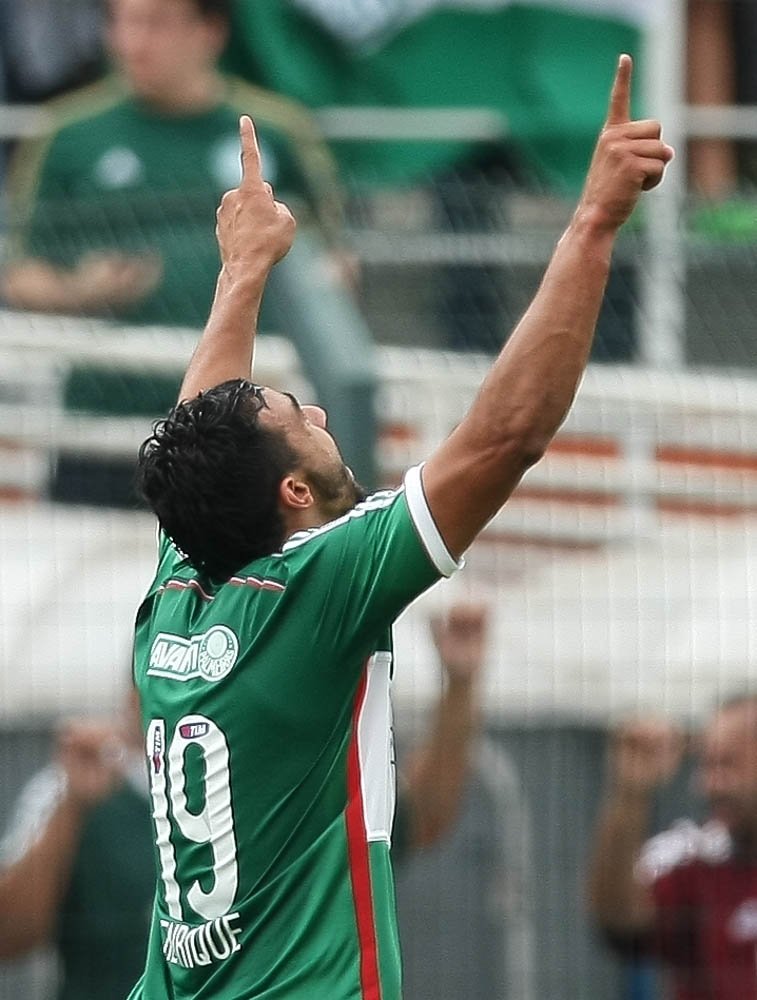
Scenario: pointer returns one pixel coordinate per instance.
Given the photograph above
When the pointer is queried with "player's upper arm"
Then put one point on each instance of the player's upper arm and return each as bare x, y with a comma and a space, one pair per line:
469, 477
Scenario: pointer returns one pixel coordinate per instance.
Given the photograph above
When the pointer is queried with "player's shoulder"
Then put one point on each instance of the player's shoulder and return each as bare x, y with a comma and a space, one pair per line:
359, 516
682, 845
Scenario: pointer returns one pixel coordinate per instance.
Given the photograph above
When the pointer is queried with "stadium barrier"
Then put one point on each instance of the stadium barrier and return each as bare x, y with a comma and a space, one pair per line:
648, 468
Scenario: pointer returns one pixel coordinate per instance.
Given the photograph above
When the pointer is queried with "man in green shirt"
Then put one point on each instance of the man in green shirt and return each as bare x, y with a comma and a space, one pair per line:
117, 203
76, 861
113, 211
263, 655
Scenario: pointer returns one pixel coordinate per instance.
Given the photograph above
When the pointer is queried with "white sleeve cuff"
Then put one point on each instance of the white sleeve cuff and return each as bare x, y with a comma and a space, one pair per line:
426, 526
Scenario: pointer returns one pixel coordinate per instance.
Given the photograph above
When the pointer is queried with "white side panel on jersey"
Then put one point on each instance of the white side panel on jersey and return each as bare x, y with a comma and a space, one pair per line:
156, 758
376, 750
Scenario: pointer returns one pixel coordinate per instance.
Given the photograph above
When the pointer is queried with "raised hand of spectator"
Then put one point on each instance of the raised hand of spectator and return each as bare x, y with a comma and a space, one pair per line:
435, 775
644, 754
460, 638
92, 756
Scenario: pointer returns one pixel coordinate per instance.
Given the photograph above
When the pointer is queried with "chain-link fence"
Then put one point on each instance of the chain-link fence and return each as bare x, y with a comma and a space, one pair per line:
622, 575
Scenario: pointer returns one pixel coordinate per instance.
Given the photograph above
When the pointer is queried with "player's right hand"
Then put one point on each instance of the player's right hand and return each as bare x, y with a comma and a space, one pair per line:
254, 231
630, 157
645, 754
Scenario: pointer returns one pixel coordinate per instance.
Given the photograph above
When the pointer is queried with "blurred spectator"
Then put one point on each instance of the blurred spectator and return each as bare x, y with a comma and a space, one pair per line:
745, 20
711, 80
721, 72
113, 214
78, 867
433, 778
84, 820
688, 896
3, 98
119, 202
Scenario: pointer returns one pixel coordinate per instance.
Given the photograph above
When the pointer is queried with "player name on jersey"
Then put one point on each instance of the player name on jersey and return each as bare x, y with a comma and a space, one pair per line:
210, 942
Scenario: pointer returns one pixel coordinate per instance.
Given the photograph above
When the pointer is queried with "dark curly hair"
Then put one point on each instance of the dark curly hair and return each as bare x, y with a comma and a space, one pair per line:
211, 471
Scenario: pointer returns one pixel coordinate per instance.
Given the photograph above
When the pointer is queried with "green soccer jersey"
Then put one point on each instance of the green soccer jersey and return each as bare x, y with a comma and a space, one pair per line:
266, 706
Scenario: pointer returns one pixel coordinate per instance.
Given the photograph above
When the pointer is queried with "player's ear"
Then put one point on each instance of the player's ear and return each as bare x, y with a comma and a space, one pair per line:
295, 494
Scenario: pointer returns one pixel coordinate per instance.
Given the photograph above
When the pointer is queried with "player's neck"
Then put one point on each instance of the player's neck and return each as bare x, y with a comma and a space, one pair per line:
303, 520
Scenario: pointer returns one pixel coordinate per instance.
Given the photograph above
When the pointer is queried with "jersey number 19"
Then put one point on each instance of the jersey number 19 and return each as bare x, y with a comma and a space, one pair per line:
213, 825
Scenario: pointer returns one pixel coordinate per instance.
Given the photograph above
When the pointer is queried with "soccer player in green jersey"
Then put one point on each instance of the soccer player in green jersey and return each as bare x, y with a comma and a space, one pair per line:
263, 653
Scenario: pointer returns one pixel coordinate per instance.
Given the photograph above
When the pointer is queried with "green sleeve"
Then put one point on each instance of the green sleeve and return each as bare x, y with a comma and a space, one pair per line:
369, 565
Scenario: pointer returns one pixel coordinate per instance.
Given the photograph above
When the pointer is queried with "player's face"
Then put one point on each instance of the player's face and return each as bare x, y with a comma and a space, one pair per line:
161, 44
728, 769
322, 465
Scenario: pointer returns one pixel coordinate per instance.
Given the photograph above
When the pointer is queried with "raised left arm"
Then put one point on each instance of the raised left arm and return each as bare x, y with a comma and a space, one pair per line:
254, 231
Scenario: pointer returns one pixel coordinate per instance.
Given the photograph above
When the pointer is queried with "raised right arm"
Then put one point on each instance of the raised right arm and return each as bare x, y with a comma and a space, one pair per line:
528, 391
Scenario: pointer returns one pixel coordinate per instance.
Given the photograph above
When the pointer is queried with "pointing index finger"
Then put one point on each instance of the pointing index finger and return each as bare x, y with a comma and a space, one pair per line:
250, 151
619, 110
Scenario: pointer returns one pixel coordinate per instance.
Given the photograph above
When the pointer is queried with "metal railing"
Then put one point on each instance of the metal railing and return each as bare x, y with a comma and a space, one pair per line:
662, 301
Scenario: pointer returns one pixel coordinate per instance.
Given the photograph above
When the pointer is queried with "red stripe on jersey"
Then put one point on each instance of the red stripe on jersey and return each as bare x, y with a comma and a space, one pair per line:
185, 585
256, 582
360, 871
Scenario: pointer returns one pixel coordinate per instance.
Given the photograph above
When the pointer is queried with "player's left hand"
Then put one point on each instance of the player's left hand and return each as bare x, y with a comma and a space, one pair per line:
253, 229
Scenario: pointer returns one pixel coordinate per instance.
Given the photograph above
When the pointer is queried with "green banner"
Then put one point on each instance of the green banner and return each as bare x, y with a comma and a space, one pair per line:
547, 71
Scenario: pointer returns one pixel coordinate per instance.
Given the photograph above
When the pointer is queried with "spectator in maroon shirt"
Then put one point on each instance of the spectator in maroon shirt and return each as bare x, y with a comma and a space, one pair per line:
688, 896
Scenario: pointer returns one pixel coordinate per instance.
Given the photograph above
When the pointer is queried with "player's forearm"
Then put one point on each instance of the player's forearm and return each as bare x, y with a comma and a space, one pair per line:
32, 888
528, 391
617, 899
226, 348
